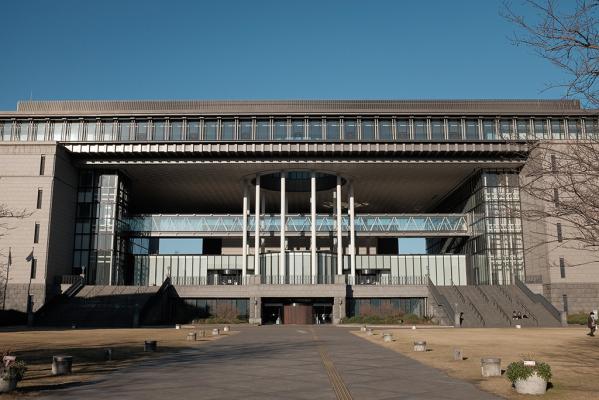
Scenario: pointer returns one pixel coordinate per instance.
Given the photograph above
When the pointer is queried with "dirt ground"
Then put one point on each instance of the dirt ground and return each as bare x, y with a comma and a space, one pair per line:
572, 355
87, 346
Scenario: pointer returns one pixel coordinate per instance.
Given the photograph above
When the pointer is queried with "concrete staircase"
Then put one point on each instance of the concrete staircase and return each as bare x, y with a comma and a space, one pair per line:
493, 306
98, 306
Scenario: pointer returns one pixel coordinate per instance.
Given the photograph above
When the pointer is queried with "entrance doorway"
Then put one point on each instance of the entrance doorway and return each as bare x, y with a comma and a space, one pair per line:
297, 311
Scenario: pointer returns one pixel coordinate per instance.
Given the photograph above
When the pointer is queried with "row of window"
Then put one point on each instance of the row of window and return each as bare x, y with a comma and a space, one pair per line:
296, 129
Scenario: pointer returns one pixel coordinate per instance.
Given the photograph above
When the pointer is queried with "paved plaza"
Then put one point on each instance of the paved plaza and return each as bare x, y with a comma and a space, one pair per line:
278, 362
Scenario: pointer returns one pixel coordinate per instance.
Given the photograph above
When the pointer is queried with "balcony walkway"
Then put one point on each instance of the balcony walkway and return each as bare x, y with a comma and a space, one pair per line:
279, 362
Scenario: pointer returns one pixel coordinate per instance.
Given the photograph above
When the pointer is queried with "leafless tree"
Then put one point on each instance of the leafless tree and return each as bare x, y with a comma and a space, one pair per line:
7, 219
566, 34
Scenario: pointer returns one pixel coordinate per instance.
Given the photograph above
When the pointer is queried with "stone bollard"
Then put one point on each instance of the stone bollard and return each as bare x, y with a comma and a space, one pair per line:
107, 354
564, 318
192, 336
369, 332
458, 355
215, 332
518, 326
177, 326
387, 337
363, 328
490, 366
226, 328
420, 345
62, 365
202, 333
150, 345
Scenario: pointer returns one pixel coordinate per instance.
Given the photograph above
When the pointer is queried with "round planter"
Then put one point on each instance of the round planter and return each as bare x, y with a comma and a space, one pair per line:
490, 366
215, 332
7, 386
387, 337
62, 365
363, 328
420, 345
534, 384
226, 328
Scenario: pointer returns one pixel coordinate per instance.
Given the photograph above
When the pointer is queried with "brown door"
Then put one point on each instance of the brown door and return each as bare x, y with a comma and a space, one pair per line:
300, 314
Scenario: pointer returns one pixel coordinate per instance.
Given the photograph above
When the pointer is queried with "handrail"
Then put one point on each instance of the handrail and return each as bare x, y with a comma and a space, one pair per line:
537, 298
442, 301
494, 303
75, 287
467, 301
519, 303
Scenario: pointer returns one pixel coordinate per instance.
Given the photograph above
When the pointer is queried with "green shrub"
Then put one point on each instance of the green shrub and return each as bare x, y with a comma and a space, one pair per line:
578, 318
15, 370
517, 370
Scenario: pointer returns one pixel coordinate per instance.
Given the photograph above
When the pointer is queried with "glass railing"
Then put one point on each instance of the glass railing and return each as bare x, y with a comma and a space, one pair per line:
416, 223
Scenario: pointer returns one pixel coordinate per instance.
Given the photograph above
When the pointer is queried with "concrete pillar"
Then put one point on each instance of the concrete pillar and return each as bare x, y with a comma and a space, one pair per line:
339, 235
338, 309
314, 266
257, 228
282, 257
255, 310
352, 233
244, 250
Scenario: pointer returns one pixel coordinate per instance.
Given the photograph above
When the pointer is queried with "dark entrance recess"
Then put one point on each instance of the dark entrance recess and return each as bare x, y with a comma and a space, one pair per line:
297, 311
387, 246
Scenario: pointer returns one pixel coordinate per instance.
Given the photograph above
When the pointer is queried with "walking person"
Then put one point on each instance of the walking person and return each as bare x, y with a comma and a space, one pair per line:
592, 323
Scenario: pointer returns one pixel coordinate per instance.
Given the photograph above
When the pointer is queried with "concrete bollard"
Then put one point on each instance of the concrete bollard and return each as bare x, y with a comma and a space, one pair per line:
564, 318
107, 354
202, 333
150, 345
518, 326
420, 345
490, 366
177, 326
387, 337
226, 328
215, 332
369, 332
458, 355
192, 336
62, 365
363, 328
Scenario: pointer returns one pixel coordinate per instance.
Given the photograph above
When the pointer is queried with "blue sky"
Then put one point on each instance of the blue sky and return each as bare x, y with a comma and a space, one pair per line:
72, 49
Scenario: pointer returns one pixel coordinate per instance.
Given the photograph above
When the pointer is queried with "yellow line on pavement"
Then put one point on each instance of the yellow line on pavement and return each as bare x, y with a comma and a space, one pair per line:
341, 391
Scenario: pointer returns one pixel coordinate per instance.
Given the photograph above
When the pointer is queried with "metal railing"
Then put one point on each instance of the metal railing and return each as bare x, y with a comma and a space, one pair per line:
494, 304
442, 301
534, 279
466, 301
519, 304
537, 298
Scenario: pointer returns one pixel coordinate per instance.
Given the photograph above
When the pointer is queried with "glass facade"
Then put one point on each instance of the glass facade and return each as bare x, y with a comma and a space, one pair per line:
300, 129
386, 307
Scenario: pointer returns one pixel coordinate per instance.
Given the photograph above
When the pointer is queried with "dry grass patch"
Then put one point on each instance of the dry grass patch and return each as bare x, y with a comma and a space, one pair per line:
573, 356
87, 346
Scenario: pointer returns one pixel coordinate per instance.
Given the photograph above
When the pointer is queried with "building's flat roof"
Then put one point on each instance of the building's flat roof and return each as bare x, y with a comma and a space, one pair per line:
291, 107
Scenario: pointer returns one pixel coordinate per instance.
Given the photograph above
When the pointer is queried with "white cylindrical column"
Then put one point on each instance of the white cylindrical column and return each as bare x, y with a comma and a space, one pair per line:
282, 257
257, 228
352, 233
339, 236
244, 239
314, 266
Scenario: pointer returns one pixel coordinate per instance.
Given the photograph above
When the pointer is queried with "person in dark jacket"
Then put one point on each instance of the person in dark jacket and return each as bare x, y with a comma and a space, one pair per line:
592, 323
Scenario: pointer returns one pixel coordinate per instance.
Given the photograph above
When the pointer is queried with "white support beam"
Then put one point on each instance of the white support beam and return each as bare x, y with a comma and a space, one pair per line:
314, 266
352, 233
339, 234
282, 257
244, 250
257, 228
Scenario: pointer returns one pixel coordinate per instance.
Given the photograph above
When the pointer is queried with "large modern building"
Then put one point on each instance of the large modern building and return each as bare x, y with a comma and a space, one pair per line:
284, 209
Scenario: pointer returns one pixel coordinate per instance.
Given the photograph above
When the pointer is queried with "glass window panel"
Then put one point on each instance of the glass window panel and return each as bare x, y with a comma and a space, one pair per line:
125, 130
211, 129
437, 129
280, 129
540, 126
402, 127
90, 130
315, 129
176, 130
523, 127
591, 127
228, 130
368, 129
506, 128
263, 129
332, 131
141, 131
57, 130
6, 130
245, 129
489, 129
23, 131
297, 129
385, 129
472, 129
557, 128
420, 129
159, 130
454, 129
74, 131
107, 130
574, 128
193, 130
350, 129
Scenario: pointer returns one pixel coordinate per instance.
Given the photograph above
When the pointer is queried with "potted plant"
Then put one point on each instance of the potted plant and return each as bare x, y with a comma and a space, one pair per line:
11, 372
529, 377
